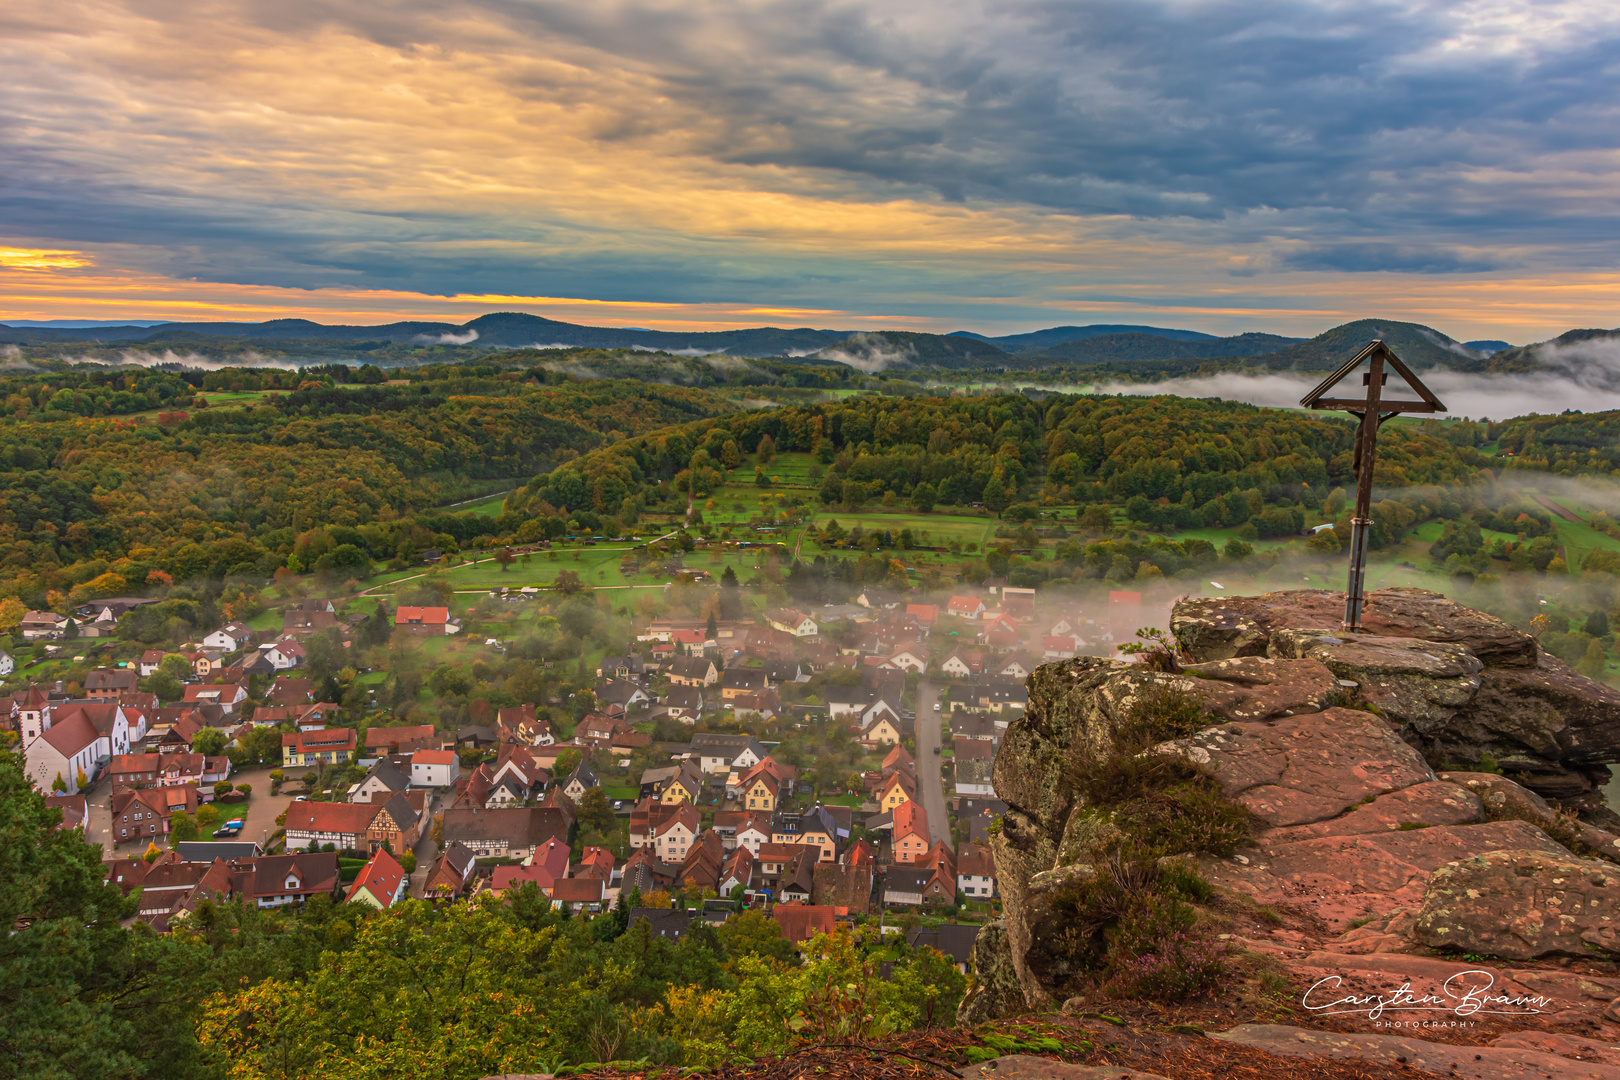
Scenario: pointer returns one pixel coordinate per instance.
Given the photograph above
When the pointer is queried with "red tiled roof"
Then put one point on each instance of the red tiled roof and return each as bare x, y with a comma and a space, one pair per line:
71, 734
330, 817
778, 853
380, 877
578, 890
397, 736
801, 922
910, 818
320, 739
429, 616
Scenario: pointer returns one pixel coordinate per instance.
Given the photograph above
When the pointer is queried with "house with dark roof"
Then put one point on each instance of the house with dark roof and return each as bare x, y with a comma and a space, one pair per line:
798, 879
816, 828
976, 871
778, 672
622, 667
717, 752
279, 880
671, 924
515, 832
684, 703
973, 776
878, 598
692, 671
622, 692
447, 878
913, 886
105, 684
1014, 665
578, 782
955, 940
738, 681
382, 780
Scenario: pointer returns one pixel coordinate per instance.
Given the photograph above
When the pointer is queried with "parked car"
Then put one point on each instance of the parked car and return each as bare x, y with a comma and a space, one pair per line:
936, 748
230, 828
936, 706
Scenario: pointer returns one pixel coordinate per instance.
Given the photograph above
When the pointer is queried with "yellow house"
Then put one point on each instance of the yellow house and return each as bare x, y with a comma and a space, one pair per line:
893, 793
761, 794
680, 789
883, 732
327, 745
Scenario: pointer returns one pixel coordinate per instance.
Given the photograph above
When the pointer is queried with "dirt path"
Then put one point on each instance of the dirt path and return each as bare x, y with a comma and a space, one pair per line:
1567, 515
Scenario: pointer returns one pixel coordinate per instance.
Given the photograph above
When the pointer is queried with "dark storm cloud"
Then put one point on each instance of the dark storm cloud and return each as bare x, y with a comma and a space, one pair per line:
1332, 137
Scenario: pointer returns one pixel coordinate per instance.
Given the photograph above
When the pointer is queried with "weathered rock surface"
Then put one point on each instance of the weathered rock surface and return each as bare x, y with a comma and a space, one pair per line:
1425, 804
1367, 853
1077, 708
1347, 877
1551, 1042
1501, 798
1217, 628
1363, 858
1522, 904
1028, 1067
1304, 768
1457, 683
995, 990
1449, 983
1472, 1062
1410, 680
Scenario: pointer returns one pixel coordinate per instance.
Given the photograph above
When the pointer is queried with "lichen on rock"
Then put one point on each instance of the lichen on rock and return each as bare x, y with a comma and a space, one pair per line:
1521, 905
1330, 744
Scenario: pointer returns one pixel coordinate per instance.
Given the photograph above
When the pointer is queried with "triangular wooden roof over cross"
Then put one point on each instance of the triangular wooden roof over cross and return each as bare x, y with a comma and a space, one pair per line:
1427, 403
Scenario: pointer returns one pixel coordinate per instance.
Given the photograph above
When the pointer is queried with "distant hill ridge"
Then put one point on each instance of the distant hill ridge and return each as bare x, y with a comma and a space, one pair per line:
1060, 335
1119, 349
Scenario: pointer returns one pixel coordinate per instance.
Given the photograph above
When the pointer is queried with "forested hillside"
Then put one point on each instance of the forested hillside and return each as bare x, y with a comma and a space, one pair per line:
169, 483
1198, 461
1106, 348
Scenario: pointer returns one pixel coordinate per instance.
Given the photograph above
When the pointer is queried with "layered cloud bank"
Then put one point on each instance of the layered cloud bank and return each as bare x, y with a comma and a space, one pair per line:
1478, 396
994, 165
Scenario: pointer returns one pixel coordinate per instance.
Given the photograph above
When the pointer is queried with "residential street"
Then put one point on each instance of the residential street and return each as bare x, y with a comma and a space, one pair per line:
260, 812
930, 786
426, 849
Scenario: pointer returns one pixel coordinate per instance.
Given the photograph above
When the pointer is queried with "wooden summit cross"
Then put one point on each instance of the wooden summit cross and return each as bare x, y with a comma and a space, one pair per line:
1372, 409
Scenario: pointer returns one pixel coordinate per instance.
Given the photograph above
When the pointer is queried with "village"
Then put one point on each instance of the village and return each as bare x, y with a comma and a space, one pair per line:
911, 698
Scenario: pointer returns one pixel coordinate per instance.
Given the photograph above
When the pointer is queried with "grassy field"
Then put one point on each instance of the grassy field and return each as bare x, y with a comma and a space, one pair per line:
489, 506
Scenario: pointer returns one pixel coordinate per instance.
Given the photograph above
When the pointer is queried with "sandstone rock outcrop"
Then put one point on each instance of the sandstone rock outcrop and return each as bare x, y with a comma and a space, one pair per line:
1501, 1062
1457, 683
1026, 1067
1217, 628
1329, 742
1522, 904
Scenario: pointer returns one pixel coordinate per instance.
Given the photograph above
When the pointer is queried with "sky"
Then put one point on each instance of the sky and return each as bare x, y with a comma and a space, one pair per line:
690, 164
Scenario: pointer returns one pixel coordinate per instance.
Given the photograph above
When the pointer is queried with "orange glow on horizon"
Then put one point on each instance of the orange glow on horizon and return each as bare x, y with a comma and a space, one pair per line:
44, 284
